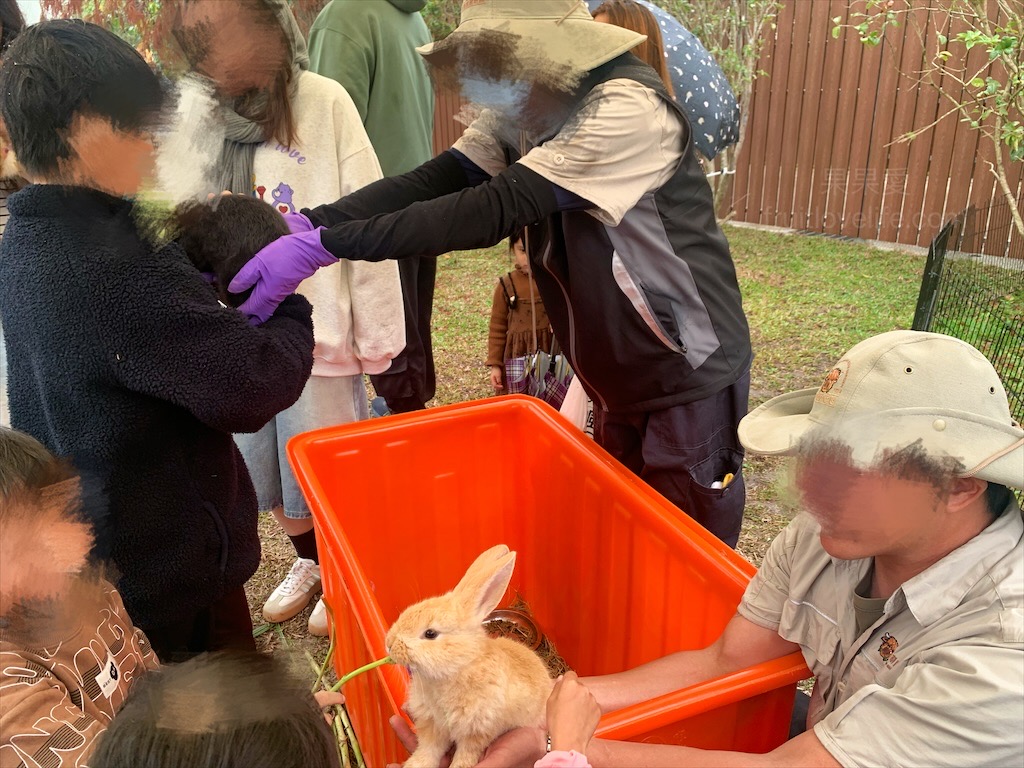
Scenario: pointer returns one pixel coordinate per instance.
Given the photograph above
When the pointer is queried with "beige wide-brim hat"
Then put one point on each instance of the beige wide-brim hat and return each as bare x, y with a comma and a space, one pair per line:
557, 37
892, 391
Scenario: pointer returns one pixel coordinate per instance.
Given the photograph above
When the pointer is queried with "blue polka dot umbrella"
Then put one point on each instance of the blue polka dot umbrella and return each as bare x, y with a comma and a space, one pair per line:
700, 84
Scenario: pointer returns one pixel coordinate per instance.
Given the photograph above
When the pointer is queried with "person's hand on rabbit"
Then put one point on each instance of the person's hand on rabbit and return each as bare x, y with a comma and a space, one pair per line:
572, 715
518, 747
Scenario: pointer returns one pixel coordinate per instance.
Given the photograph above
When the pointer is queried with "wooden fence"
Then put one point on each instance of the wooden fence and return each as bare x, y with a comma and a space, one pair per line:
819, 152
447, 129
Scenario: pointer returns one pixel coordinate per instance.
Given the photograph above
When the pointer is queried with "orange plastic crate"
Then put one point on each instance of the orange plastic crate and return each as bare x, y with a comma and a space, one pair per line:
614, 574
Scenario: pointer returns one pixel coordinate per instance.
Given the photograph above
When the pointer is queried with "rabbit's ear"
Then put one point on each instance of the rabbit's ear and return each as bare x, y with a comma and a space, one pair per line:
484, 596
482, 567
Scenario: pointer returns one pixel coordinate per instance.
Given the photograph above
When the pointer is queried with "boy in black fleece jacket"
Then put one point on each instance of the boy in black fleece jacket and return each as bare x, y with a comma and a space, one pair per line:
121, 357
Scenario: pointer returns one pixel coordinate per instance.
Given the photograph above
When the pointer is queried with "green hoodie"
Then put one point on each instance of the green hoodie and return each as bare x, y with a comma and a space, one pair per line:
369, 47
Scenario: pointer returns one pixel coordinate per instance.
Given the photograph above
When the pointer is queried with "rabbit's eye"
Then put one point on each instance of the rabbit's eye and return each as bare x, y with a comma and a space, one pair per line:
430, 634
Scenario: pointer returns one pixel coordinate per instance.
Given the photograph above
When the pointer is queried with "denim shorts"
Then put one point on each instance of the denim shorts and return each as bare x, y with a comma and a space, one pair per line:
325, 401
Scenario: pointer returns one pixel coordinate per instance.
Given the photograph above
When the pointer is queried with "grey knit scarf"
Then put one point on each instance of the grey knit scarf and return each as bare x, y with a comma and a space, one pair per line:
242, 135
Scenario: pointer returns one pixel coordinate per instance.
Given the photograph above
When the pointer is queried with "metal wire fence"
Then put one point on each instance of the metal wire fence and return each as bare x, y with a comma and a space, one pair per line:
978, 298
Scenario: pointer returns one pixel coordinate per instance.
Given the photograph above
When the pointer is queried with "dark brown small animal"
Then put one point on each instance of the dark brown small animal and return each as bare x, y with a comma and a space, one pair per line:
219, 237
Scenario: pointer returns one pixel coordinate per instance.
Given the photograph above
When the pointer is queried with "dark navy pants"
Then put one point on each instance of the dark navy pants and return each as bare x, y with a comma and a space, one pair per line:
681, 451
410, 381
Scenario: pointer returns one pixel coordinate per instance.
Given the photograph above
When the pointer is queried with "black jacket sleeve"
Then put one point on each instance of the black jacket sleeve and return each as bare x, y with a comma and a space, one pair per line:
471, 218
435, 178
166, 336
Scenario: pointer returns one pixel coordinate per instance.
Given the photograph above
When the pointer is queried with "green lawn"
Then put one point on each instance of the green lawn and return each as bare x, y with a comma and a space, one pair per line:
807, 299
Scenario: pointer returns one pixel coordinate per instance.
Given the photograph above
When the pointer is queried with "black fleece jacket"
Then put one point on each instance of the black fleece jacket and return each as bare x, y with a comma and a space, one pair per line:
122, 359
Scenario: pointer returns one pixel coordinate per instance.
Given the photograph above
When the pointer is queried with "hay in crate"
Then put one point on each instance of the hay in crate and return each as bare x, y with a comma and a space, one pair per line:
545, 648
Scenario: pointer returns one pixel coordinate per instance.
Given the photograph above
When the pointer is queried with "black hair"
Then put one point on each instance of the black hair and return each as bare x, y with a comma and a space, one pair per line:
997, 497
225, 710
58, 70
12, 23
221, 236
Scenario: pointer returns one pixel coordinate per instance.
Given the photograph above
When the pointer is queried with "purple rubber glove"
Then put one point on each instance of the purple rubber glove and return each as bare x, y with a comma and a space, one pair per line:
298, 222
276, 271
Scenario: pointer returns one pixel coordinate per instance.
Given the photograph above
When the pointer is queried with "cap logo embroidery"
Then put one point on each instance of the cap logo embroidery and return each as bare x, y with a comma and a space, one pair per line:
831, 379
833, 383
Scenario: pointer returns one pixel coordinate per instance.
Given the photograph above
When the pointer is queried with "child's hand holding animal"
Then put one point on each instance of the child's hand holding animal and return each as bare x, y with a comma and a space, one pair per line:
572, 715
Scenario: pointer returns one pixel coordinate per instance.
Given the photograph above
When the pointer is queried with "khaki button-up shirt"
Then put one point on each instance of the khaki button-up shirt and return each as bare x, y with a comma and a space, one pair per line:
624, 143
937, 680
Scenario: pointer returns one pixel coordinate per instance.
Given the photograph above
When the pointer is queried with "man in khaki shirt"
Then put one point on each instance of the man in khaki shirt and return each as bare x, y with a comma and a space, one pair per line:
902, 584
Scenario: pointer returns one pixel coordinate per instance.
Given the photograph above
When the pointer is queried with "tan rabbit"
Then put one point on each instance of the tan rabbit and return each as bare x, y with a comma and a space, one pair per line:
466, 688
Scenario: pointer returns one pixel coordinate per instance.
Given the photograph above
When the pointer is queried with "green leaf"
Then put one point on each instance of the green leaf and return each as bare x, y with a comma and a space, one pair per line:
280, 635
1006, 43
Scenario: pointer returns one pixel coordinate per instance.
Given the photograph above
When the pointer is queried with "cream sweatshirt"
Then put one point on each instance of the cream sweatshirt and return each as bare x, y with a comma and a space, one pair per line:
358, 315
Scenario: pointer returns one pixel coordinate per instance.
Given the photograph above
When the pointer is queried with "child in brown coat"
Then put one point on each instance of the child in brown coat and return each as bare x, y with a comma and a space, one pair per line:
519, 322
69, 652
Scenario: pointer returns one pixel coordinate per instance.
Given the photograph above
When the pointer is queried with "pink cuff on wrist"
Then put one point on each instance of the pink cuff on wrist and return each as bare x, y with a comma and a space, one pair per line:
562, 759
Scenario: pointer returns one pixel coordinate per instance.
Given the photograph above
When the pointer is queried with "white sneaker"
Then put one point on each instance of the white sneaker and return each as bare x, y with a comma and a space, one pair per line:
294, 593
318, 620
